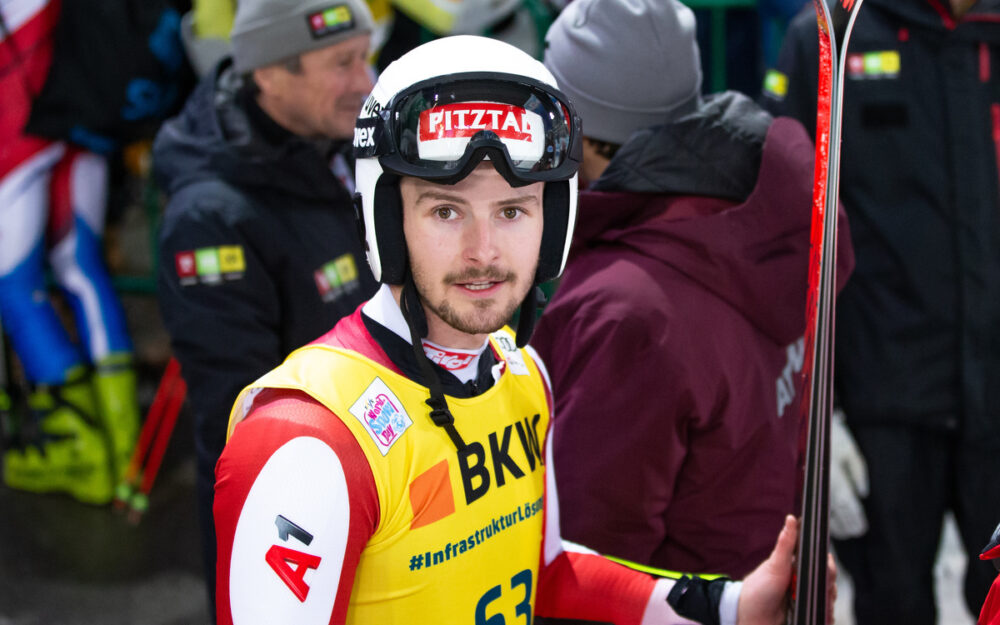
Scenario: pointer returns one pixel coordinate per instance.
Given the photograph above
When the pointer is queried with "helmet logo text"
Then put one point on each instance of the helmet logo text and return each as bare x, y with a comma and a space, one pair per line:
468, 118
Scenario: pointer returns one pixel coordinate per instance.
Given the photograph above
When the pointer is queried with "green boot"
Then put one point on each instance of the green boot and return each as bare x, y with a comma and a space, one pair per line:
115, 382
70, 454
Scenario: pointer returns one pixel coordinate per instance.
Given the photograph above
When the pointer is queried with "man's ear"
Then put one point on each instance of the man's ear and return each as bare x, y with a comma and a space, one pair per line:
595, 161
265, 78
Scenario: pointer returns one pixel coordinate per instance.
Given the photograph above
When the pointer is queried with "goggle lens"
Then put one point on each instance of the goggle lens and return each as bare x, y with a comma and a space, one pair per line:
443, 132
433, 126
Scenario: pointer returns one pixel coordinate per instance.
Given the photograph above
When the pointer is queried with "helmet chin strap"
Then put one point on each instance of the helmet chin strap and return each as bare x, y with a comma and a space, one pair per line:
416, 320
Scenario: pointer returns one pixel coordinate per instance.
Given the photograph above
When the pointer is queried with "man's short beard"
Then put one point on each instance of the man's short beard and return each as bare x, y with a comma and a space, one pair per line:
473, 324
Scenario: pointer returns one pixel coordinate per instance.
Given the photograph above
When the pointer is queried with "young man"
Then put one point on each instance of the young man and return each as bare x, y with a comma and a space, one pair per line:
259, 252
347, 495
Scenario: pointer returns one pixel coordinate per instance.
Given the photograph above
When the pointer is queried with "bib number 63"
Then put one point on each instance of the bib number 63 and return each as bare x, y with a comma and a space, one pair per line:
523, 608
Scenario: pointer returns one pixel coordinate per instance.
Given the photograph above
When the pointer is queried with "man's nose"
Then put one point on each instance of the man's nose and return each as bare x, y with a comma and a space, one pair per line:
480, 241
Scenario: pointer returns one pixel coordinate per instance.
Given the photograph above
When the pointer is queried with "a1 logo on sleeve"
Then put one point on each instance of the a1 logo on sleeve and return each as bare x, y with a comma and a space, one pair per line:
291, 564
289, 543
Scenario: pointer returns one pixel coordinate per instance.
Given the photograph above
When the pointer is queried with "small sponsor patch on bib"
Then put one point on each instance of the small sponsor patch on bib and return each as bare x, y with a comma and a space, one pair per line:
382, 414
511, 354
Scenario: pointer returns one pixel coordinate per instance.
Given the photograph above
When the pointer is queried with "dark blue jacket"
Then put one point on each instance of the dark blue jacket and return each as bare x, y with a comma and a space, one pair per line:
918, 325
238, 181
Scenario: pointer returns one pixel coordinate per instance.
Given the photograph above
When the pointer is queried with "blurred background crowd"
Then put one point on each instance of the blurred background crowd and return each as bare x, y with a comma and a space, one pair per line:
117, 280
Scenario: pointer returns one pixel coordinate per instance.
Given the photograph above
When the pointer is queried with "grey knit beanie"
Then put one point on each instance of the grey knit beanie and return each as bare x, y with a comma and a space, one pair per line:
269, 31
625, 64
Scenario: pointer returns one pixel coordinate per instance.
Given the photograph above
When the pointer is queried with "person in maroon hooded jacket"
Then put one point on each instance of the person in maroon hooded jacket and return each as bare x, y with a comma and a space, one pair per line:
674, 339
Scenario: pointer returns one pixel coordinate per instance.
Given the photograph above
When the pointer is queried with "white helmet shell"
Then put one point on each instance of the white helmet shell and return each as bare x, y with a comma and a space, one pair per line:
442, 58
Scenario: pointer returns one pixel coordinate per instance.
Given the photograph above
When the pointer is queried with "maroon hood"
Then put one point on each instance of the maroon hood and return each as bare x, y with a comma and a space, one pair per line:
749, 271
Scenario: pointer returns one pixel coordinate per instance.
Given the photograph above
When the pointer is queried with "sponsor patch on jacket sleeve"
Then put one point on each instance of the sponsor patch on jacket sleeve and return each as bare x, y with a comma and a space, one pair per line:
878, 64
776, 84
382, 414
336, 278
210, 265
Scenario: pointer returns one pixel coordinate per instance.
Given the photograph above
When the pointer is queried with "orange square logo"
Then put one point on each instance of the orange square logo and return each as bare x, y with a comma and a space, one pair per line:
431, 498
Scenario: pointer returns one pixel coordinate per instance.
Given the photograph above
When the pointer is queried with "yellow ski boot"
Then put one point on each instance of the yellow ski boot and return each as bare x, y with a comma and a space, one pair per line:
114, 383
70, 453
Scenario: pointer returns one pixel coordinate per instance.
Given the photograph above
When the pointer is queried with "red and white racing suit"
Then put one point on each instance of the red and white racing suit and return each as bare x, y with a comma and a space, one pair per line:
339, 501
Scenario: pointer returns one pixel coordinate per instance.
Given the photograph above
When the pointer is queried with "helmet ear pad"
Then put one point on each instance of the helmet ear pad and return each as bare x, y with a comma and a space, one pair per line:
555, 206
388, 218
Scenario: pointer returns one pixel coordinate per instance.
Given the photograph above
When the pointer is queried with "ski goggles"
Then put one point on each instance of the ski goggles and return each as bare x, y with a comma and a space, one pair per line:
440, 130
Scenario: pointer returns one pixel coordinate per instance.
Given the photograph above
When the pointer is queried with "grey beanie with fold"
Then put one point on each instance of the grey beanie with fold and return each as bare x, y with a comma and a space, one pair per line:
270, 31
625, 64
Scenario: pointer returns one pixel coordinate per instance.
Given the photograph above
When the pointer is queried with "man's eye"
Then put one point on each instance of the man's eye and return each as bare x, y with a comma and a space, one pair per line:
511, 213
444, 212
344, 61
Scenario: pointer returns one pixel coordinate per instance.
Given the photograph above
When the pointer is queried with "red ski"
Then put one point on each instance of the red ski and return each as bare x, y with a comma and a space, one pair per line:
810, 599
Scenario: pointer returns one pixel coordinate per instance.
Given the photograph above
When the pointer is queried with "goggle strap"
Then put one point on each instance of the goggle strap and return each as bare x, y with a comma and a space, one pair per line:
413, 312
369, 137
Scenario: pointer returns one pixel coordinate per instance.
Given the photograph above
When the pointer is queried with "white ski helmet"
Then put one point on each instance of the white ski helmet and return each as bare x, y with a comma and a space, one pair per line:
442, 108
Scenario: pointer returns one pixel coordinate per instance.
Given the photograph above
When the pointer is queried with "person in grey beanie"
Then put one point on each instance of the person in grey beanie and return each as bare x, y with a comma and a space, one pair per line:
674, 339
259, 252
